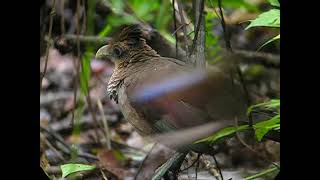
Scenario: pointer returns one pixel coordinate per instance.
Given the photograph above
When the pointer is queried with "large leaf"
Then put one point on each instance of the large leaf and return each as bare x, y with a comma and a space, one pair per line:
223, 133
270, 18
262, 128
274, 3
72, 168
271, 40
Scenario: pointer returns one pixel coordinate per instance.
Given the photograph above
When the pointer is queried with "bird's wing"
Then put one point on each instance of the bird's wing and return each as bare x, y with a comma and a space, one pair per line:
182, 97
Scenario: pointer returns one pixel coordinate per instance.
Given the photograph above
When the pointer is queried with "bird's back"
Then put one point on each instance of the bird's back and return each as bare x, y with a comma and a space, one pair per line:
164, 90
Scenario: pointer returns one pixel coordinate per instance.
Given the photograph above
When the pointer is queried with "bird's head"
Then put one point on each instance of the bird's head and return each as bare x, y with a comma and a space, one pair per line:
125, 48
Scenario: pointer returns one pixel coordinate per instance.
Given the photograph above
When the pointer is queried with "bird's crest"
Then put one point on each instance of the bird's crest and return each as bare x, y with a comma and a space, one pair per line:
132, 34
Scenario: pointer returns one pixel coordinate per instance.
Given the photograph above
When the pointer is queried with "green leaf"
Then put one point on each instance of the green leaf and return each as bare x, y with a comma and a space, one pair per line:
263, 173
262, 128
168, 36
117, 6
78, 115
121, 20
271, 40
274, 3
273, 103
223, 133
85, 72
144, 9
105, 31
72, 168
270, 18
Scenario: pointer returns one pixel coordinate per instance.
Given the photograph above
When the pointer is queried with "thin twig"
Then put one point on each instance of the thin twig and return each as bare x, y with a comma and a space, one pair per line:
248, 147
175, 26
103, 175
198, 157
197, 167
218, 166
145, 158
52, 148
229, 48
49, 43
63, 30
84, 20
88, 39
105, 124
93, 114
76, 64
67, 149
223, 23
183, 28
177, 29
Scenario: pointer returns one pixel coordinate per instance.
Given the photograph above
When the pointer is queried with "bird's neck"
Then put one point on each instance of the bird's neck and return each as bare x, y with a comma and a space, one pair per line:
143, 53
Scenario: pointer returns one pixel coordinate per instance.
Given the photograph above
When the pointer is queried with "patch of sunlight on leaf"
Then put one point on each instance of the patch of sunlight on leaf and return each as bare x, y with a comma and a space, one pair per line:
270, 18
274, 3
271, 40
262, 128
72, 168
223, 133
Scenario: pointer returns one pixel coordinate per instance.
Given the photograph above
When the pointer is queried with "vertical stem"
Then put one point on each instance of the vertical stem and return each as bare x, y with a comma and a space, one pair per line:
175, 26
76, 65
184, 29
225, 32
63, 31
198, 46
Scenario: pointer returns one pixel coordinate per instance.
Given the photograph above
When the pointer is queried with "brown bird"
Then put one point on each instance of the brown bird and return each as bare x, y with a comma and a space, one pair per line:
161, 95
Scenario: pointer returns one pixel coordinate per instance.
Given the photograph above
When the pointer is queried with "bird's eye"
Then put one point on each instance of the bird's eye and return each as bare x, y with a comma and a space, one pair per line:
117, 51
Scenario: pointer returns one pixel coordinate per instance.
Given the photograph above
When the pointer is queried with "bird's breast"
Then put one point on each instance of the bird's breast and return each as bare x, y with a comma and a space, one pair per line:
142, 126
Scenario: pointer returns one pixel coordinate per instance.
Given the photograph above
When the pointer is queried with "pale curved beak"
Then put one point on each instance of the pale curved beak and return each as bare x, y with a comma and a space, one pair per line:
103, 53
